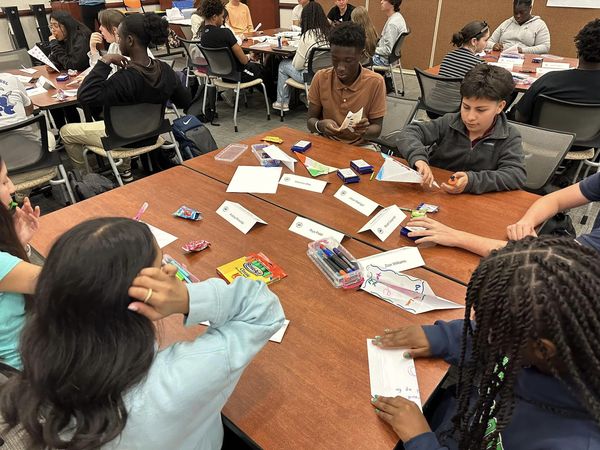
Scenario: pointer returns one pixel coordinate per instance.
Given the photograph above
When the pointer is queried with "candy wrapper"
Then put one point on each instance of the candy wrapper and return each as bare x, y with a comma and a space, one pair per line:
196, 246
187, 213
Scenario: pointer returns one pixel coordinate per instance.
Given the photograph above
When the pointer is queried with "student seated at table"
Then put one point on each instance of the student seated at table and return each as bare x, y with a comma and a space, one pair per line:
315, 31
528, 33
17, 276
341, 12
16, 106
197, 21
240, 19
140, 79
470, 41
478, 143
297, 12
546, 207
346, 87
394, 26
89, 334
526, 354
580, 85
360, 15
69, 42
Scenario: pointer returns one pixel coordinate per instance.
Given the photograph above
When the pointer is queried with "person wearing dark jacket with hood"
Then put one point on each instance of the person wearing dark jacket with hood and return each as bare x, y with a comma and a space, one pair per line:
478, 144
139, 79
528, 362
69, 42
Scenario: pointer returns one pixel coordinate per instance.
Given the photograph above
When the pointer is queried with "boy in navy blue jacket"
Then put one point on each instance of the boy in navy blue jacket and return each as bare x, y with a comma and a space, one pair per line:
529, 372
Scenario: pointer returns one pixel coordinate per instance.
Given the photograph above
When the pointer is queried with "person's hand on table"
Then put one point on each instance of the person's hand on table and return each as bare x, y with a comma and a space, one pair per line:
27, 221
498, 47
117, 60
434, 231
160, 293
519, 230
425, 171
411, 337
95, 40
404, 416
461, 179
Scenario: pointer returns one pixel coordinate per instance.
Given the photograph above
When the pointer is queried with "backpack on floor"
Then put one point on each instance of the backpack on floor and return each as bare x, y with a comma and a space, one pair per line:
89, 185
193, 137
210, 110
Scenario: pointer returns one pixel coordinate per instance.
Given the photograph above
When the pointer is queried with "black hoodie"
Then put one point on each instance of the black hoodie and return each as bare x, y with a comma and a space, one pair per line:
157, 83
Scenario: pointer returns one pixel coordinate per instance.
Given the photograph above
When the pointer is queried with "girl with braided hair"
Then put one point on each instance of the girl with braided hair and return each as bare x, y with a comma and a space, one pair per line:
528, 363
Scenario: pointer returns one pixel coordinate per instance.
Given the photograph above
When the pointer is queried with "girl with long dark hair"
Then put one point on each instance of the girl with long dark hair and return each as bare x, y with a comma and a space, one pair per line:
17, 276
68, 42
315, 30
92, 376
528, 356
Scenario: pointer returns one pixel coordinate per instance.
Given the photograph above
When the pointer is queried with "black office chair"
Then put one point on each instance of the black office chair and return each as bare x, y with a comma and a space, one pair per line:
39, 13
400, 112
318, 58
24, 149
394, 61
195, 65
222, 66
583, 119
132, 130
544, 151
439, 95
14, 59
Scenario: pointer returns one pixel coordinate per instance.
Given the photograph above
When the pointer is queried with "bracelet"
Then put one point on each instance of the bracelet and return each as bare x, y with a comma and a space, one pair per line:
317, 128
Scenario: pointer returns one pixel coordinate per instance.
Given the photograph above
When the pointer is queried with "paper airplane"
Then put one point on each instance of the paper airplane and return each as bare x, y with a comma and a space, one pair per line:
315, 168
38, 54
393, 170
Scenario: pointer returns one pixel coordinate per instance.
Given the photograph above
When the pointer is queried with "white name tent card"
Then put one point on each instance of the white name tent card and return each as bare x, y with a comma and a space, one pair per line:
38, 54
385, 222
555, 65
355, 200
313, 230
162, 237
391, 374
45, 83
275, 152
255, 179
238, 216
308, 184
397, 260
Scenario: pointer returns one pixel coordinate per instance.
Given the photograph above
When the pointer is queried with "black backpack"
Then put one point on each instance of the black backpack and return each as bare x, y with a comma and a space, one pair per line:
89, 185
193, 137
210, 110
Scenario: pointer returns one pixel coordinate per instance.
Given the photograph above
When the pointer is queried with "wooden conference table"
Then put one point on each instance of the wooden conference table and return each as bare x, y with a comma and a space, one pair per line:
312, 389
528, 68
46, 100
486, 214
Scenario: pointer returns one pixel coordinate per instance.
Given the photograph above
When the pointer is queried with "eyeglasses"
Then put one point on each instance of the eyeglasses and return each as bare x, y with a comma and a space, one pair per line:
54, 25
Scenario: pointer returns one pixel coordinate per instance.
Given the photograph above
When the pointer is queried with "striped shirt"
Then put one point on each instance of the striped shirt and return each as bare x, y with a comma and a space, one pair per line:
458, 62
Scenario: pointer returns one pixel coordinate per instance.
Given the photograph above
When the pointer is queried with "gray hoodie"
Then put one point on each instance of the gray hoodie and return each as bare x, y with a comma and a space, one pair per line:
495, 163
533, 36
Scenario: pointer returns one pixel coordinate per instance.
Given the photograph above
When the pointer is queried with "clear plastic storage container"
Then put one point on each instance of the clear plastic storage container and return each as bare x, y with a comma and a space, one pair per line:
337, 264
264, 159
231, 152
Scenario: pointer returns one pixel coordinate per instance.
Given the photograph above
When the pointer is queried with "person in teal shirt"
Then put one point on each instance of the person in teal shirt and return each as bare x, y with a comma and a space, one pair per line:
92, 375
17, 275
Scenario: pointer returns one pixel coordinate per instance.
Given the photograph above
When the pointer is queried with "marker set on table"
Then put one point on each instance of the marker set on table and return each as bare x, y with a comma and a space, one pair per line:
336, 263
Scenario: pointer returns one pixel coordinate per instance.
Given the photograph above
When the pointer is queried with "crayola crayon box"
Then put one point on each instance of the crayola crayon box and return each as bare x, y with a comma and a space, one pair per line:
255, 266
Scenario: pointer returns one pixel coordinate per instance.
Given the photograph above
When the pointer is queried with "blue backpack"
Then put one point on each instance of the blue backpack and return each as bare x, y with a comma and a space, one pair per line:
193, 137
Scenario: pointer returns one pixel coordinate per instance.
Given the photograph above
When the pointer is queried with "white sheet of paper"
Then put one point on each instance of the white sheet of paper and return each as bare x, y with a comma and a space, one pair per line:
385, 222
276, 153
308, 184
393, 170
255, 179
505, 65
38, 54
355, 200
391, 374
29, 71
23, 79
351, 119
411, 294
278, 337
238, 216
313, 230
162, 237
555, 65
397, 260
513, 49
36, 91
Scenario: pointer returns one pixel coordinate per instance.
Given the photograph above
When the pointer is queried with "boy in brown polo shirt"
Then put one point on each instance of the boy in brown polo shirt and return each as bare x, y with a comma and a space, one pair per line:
346, 87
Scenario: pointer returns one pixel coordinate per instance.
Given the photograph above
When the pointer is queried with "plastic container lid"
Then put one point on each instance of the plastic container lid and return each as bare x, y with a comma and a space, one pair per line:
263, 158
231, 152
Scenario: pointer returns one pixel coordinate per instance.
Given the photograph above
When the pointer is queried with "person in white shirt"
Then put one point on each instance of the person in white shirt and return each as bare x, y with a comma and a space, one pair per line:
16, 106
93, 376
297, 11
522, 32
315, 30
394, 26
